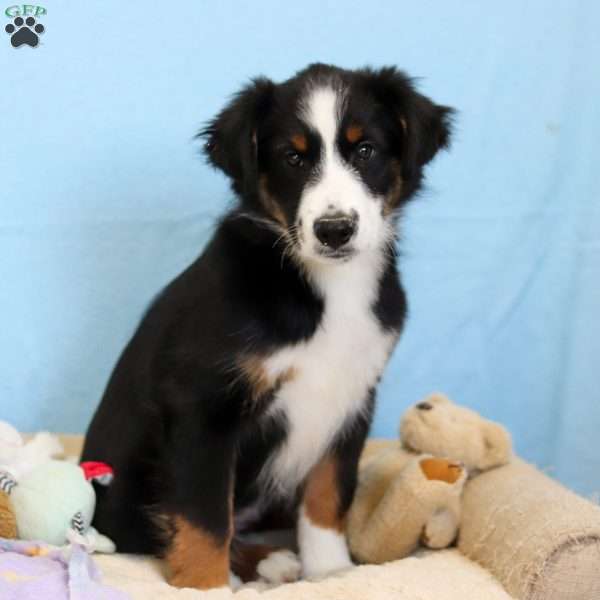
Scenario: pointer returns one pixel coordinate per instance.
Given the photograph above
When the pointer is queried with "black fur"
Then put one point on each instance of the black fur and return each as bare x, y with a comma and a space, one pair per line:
176, 422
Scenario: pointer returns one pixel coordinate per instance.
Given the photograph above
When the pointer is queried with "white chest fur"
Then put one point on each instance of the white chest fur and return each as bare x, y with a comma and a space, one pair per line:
333, 370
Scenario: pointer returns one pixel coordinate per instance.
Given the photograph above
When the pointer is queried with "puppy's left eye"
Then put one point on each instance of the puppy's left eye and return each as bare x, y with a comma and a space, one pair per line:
364, 151
293, 158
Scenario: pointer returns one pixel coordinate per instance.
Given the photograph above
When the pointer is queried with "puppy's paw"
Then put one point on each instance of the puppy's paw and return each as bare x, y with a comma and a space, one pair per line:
313, 569
234, 581
281, 566
323, 560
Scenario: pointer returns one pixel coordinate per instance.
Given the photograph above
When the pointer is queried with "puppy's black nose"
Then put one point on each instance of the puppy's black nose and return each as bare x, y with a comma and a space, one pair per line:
334, 231
424, 406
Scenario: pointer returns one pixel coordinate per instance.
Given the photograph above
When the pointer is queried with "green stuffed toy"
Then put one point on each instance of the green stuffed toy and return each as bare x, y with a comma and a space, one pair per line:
55, 503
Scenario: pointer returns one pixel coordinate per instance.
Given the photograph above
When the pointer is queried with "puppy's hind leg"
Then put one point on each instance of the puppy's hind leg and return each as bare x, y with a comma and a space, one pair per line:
198, 505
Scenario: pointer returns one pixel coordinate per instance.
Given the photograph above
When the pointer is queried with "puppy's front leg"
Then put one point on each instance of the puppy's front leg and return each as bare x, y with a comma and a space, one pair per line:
199, 505
321, 538
328, 493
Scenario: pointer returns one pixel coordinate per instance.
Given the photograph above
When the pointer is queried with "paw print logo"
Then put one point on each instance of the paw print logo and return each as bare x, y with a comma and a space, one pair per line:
24, 31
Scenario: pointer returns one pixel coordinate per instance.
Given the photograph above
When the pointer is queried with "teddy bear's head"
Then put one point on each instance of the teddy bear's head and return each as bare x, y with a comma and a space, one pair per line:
438, 426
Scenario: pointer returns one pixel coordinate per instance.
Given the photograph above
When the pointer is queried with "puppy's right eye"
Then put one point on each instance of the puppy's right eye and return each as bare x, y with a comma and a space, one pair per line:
293, 158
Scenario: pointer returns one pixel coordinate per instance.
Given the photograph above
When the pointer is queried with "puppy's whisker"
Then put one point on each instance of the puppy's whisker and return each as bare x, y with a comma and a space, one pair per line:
281, 237
265, 223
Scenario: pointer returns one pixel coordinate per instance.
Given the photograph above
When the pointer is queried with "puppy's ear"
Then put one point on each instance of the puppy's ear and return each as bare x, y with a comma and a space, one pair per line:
424, 126
427, 128
231, 135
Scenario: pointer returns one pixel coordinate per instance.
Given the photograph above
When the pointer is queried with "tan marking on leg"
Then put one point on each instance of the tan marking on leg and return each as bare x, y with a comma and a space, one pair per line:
440, 469
299, 142
354, 133
195, 558
322, 497
271, 204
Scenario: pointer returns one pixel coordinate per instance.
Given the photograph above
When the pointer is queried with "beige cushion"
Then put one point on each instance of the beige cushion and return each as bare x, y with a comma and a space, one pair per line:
539, 539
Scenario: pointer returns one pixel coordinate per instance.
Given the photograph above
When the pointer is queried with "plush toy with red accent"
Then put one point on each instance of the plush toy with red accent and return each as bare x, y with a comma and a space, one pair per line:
55, 503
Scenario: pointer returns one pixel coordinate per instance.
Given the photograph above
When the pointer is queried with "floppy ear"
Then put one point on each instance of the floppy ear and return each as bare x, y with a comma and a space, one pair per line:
231, 135
427, 128
424, 126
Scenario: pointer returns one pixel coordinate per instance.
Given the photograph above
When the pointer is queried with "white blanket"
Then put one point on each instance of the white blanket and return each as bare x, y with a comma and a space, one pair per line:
442, 575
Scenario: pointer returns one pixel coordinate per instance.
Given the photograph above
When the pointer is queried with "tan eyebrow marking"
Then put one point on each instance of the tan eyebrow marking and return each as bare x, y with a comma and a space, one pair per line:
270, 203
299, 142
354, 133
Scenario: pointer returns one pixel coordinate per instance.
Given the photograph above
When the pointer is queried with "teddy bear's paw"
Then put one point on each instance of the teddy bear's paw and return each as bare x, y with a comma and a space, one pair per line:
441, 469
441, 530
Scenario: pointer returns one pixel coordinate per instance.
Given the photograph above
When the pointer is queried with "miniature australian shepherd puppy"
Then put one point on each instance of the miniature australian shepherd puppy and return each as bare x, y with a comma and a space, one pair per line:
247, 390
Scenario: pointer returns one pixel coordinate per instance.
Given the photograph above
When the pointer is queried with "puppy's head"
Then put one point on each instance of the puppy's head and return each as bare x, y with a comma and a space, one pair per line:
328, 156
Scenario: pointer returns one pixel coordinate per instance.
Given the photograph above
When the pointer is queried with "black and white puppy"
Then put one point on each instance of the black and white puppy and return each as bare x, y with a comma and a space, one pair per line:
247, 390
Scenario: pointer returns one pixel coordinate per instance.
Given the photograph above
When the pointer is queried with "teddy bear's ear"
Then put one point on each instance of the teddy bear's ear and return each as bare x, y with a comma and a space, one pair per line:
497, 446
438, 398
435, 399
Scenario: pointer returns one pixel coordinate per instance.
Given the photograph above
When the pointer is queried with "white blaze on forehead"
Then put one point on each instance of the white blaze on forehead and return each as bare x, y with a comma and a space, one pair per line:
338, 186
322, 112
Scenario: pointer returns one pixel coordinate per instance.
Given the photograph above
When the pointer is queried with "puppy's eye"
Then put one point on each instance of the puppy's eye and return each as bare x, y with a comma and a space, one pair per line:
293, 158
364, 151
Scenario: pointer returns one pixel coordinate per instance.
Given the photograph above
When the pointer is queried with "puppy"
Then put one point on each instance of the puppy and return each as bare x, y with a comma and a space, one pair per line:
247, 390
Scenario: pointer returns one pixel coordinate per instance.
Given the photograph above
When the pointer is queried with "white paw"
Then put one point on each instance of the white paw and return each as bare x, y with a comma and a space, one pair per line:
281, 566
234, 581
322, 550
325, 566
326, 553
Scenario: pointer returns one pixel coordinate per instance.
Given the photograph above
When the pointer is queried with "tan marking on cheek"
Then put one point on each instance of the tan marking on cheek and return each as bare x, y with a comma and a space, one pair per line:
196, 558
261, 383
392, 198
404, 125
299, 142
354, 133
322, 496
271, 204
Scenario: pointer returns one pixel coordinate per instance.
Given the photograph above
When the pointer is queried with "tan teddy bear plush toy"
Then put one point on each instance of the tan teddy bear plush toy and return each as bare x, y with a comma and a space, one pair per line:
410, 492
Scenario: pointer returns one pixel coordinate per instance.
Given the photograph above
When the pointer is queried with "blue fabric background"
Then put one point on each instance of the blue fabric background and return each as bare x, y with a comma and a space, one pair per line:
104, 197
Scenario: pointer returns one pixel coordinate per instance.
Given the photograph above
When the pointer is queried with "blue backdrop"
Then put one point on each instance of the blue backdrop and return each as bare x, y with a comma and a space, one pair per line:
104, 197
